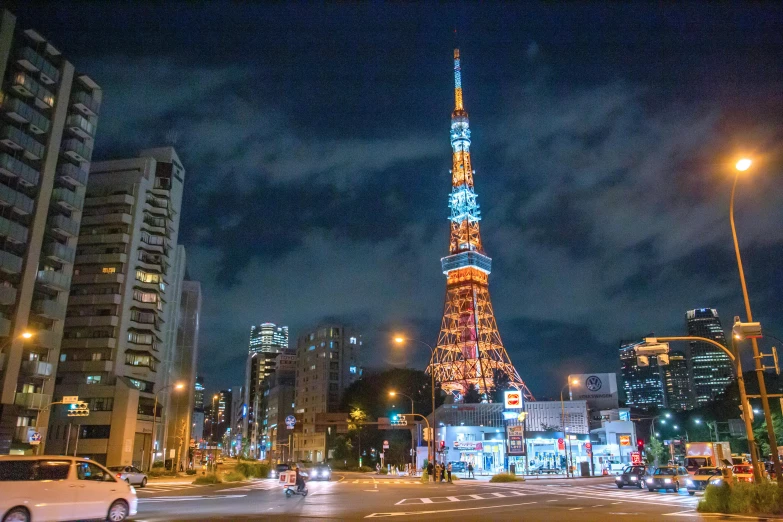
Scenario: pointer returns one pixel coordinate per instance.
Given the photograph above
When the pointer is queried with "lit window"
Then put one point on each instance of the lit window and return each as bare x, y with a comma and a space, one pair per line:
353, 340
352, 369
109, 270
93, 379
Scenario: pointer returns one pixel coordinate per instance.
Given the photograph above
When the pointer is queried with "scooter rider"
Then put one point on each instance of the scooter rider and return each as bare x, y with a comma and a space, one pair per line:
299, 480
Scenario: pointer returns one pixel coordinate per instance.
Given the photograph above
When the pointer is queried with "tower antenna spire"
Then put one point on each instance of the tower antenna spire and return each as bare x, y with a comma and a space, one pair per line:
457, 82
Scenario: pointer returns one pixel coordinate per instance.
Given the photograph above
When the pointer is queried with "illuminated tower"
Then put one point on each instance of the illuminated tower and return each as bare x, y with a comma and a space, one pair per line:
469, 349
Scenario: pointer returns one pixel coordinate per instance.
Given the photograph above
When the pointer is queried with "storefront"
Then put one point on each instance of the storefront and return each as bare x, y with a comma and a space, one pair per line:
553, 450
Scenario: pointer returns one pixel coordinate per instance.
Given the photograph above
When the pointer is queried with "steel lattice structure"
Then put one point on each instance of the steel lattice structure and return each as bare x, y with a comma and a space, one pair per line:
469, 349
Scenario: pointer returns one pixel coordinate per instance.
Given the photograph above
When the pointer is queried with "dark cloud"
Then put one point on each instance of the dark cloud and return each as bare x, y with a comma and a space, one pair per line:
317, 157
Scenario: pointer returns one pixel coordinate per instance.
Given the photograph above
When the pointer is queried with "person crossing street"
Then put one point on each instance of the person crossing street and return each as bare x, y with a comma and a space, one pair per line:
470, 470
448, 472
430, 471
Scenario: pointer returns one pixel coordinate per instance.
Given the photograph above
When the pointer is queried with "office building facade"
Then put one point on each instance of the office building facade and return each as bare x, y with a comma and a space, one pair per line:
268, 337
123, 300
711, 370
676, 383
48, 118
641, 385
327, 362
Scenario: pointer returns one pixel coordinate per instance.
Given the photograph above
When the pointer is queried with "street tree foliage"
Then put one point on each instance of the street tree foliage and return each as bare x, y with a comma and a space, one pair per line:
501, 384
656, 453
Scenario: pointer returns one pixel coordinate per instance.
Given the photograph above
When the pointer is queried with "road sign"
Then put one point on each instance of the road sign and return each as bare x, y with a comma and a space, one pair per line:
386, 444
290, 422
67, 399
560, 444
35, 438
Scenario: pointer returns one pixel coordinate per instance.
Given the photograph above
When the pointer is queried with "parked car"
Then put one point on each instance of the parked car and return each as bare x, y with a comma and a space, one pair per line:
458, 467
130, 474
55, 488
632, 476
742, 472
667, 477
702, 478
320, 472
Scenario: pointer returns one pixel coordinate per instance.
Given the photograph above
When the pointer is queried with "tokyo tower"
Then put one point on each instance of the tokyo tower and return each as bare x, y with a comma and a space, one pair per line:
469, 349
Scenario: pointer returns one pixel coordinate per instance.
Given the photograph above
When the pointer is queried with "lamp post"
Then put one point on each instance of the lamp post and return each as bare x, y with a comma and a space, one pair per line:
741, 166
176, 386
562, 421
413, 451
431, 452
652, 423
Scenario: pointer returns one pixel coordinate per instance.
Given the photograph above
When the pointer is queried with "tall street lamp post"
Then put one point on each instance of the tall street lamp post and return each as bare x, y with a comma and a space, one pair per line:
413, 440
176, 386
741, 166
431, 452
562, 422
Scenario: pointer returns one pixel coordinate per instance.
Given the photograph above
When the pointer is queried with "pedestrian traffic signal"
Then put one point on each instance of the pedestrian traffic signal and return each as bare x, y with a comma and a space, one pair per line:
78, 409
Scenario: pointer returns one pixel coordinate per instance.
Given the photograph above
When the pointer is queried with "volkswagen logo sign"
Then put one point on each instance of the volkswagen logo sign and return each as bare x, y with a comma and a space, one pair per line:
593, 383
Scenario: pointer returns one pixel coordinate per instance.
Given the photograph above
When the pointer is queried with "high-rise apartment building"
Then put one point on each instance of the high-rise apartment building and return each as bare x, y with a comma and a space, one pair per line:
327, 362
268, 337
260, 366
279, 399
48, 117
711, 370
124, 301
641, 384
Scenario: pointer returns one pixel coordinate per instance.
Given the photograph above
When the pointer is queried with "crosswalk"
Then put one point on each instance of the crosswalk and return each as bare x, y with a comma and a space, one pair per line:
163, 488
385, 481
608, 492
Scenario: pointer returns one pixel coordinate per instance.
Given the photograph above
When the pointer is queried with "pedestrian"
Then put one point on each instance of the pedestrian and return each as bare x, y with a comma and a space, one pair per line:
470, 470
442, 472
430, 471
448, 472
378, 468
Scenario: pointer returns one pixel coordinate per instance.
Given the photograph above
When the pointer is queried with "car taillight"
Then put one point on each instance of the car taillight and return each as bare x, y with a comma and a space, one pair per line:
118, 475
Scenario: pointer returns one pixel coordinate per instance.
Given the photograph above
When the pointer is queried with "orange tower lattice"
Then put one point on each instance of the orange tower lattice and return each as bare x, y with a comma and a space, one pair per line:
469, 349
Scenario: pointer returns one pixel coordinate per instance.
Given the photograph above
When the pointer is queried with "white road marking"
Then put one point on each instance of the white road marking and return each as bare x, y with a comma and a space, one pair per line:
574, 509
453, 499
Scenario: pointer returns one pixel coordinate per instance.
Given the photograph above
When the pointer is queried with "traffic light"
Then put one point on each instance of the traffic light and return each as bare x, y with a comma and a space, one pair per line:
78, 409
640, 445
443, 445
398, 420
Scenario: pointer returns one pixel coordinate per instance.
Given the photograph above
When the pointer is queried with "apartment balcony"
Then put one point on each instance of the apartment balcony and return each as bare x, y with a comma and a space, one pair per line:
19, 111
32, 401
5, 327
94, 320
25, 85
107, 219
96, 299
68, 199
114, 200
88, 342
7, 295
48, 308
38, 369
104, 239
34, 62
10, 263
64, 225
14, 168
85, 366
72, 174
20, 203
22, 433
54, 280
101, 258
13, 231
97, 279
19, 140
85, 103
45, 339
77, 150
59, 252
80, 126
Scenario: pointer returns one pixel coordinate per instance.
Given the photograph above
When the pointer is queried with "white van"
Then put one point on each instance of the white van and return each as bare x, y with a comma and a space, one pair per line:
53, 488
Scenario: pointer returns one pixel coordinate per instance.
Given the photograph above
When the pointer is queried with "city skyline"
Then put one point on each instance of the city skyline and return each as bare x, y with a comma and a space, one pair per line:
603, 182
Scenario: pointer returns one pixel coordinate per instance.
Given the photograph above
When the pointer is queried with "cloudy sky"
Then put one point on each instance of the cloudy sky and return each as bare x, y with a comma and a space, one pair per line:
316, 145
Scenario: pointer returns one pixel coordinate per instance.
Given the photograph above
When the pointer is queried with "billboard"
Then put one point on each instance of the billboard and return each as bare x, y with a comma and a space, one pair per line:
516, 441
598, 389
513, 399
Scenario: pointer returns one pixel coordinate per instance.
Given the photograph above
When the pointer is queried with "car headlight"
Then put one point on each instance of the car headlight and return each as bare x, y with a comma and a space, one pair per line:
619, 479
649, 481
667, 481
634, 478
689, 482
273, 473
315, 473
717, 482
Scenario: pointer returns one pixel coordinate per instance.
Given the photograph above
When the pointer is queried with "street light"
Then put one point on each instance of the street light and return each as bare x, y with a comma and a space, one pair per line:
431, 447
742, 166
413, 450
176, 386
573, 382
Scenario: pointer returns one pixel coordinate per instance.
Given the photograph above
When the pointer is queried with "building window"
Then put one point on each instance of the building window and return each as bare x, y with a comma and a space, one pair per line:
353, 340
97, 356
147, 277
352, 369
334, 376
93, 379
140, 338
62, 357
145, 297
99, 431
108, 270
136, 359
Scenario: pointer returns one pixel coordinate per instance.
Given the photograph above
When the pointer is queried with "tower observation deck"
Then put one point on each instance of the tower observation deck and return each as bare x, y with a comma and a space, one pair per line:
469, 349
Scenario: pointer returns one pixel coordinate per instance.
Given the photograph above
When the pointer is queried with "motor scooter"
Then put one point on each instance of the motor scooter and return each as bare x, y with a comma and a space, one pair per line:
288, 480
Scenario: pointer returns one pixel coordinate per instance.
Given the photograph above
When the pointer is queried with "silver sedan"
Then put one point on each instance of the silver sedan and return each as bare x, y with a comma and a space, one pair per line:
130, 474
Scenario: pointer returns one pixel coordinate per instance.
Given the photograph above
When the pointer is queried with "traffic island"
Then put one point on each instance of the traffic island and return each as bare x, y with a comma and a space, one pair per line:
506, 477
742, 498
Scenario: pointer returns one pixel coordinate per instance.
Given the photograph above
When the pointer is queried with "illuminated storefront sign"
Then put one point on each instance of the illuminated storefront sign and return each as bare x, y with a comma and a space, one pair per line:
468, 445
513, 399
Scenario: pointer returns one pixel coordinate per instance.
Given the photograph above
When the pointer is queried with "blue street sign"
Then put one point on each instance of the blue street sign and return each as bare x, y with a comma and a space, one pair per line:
290, 422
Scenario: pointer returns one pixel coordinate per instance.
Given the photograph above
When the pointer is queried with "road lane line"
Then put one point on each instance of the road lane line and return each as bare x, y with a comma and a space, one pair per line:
435, 511
426, 500
477, 497
453, 499
574, 509
499, 495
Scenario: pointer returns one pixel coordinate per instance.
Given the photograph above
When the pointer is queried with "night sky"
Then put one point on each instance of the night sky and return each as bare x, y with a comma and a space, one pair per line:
316, 144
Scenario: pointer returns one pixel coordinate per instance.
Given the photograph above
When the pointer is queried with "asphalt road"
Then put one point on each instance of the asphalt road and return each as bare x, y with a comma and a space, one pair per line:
354, 496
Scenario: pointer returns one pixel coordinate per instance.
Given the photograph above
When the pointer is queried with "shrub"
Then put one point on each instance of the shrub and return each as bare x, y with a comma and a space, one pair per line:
742, 498
504, 477
211, 478
768, 498
384, 471
155, 473
424, 477
190, 471
157, 464
366, 469
234, 476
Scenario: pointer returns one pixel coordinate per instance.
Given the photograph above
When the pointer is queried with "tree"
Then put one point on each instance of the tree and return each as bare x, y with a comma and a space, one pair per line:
760, 433
472, 395
656, 453
358, 418
501, 384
